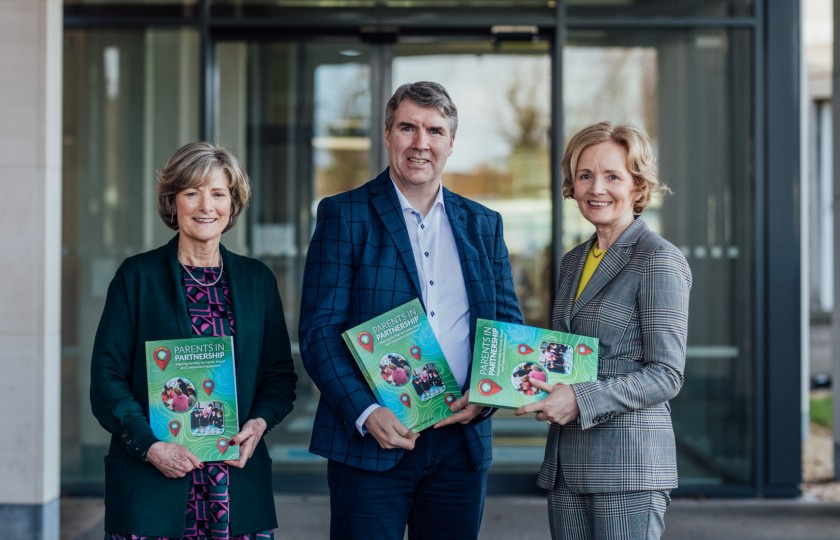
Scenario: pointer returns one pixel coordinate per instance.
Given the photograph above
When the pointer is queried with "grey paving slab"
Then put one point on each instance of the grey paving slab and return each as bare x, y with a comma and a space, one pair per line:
307, 518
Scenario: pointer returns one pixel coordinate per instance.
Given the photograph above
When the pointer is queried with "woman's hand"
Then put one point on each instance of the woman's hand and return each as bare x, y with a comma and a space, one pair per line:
247, 439
173, 460
559, 407
464, 411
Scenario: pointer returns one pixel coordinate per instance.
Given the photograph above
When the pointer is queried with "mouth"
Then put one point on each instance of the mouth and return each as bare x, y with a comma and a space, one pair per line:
205, 220
418, 161
599, 204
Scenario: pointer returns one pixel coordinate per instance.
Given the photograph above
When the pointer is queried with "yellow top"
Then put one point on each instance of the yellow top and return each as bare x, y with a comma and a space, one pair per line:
592, 261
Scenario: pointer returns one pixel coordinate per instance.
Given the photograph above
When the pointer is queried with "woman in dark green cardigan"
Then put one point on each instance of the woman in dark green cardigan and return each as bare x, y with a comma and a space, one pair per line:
191, 287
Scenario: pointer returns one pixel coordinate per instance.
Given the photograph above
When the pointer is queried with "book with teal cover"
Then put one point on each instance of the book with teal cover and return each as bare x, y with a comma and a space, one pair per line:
192, 394
507, 356
404, 365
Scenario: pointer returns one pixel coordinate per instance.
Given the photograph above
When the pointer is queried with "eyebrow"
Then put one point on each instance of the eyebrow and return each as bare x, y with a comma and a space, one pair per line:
608, 171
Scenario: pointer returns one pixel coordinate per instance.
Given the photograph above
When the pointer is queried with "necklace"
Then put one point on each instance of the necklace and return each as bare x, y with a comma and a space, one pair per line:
203, 283
596, 253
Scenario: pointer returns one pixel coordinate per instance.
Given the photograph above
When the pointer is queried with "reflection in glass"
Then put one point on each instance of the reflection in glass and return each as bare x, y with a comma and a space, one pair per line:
660, 8
501, 159
133, 2
501, 152
300, 113
129, 102
420, 4
691, 92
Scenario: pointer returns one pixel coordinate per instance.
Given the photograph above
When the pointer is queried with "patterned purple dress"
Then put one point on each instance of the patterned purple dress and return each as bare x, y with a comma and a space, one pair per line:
208, 504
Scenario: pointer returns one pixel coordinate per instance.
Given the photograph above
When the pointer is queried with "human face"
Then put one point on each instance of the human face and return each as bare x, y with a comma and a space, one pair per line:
604, 189
203, 212
419, 142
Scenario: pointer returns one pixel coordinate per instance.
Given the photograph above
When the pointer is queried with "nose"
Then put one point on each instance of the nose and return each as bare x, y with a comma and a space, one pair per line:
205, 202
598, 185
421, 139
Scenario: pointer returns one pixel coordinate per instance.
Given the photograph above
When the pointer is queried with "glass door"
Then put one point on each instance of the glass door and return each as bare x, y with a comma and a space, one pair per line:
691, 91
501, 159
306, 117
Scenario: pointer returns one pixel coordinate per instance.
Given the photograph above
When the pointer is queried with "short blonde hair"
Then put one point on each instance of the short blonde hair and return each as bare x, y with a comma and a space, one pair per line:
191, 166
640, 160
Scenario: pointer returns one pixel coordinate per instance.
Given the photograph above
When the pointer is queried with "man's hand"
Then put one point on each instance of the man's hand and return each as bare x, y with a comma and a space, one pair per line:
388, 431
247, 439
173, 460
560, 407
464, 411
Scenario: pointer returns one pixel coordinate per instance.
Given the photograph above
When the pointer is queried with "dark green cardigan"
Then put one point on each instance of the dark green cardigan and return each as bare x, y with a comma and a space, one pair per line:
146, 302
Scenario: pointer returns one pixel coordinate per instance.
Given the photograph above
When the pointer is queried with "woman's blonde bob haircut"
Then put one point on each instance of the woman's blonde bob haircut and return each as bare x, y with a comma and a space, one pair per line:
191, 166
640, 160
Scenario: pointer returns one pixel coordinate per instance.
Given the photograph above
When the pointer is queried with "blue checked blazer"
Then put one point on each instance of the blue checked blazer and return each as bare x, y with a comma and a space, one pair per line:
636, 304
359, 265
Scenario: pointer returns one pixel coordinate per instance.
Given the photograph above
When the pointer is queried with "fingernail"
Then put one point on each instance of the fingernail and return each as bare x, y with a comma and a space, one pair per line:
233, 443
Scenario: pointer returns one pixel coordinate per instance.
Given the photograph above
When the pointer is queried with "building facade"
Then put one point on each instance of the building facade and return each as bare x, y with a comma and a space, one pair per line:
297, 90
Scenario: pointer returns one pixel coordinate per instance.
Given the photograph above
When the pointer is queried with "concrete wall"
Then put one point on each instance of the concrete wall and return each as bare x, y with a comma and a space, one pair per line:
30, 266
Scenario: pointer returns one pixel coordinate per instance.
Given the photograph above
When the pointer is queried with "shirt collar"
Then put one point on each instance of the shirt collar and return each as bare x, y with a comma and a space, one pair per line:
405, 205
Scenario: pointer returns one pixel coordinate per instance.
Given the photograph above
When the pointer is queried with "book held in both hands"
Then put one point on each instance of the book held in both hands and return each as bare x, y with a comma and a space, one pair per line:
192, 395
507, 357
404, 365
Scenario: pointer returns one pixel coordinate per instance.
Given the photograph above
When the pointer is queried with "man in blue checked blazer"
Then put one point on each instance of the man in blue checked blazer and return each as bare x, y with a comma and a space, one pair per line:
403, 236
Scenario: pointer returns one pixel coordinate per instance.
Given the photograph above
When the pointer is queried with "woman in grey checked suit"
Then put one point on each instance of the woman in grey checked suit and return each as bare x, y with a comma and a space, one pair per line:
610, 460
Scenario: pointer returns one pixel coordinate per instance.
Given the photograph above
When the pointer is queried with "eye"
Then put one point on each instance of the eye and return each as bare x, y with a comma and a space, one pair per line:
435, 131
584, 176
614, 177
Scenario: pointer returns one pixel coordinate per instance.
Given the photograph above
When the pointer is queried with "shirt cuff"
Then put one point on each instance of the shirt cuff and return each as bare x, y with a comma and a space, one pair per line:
360, 422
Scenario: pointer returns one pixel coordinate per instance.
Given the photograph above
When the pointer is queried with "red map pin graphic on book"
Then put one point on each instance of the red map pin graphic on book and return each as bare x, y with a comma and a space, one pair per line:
415, 351
449, 399
222, 445
208, 386
487, 387
524, 349
162, 357
583, 350
174, 427
366, 341
405, 400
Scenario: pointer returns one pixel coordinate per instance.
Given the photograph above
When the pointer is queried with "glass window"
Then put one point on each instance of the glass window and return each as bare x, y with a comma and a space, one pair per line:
691, 91
501, 159
129, 102
501, 154
299, 113
390, 3
132, 2
660, 8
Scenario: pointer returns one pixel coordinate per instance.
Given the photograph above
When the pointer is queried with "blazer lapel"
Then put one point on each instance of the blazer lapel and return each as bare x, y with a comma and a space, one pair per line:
239, 298
387, 205
614, 260
457, 216
568, 289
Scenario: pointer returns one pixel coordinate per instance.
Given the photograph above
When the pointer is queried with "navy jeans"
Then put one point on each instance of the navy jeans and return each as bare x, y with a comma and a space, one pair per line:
434, 490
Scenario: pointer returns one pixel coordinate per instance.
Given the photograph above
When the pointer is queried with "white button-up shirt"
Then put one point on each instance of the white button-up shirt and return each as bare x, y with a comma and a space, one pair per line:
441, 285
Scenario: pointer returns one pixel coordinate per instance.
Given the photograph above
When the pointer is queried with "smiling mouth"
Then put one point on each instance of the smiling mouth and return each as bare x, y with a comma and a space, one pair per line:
204, 220
418, 160
599, 204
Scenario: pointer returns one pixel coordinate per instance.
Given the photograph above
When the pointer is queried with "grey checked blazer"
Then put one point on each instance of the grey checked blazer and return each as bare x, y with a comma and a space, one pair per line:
636, 304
